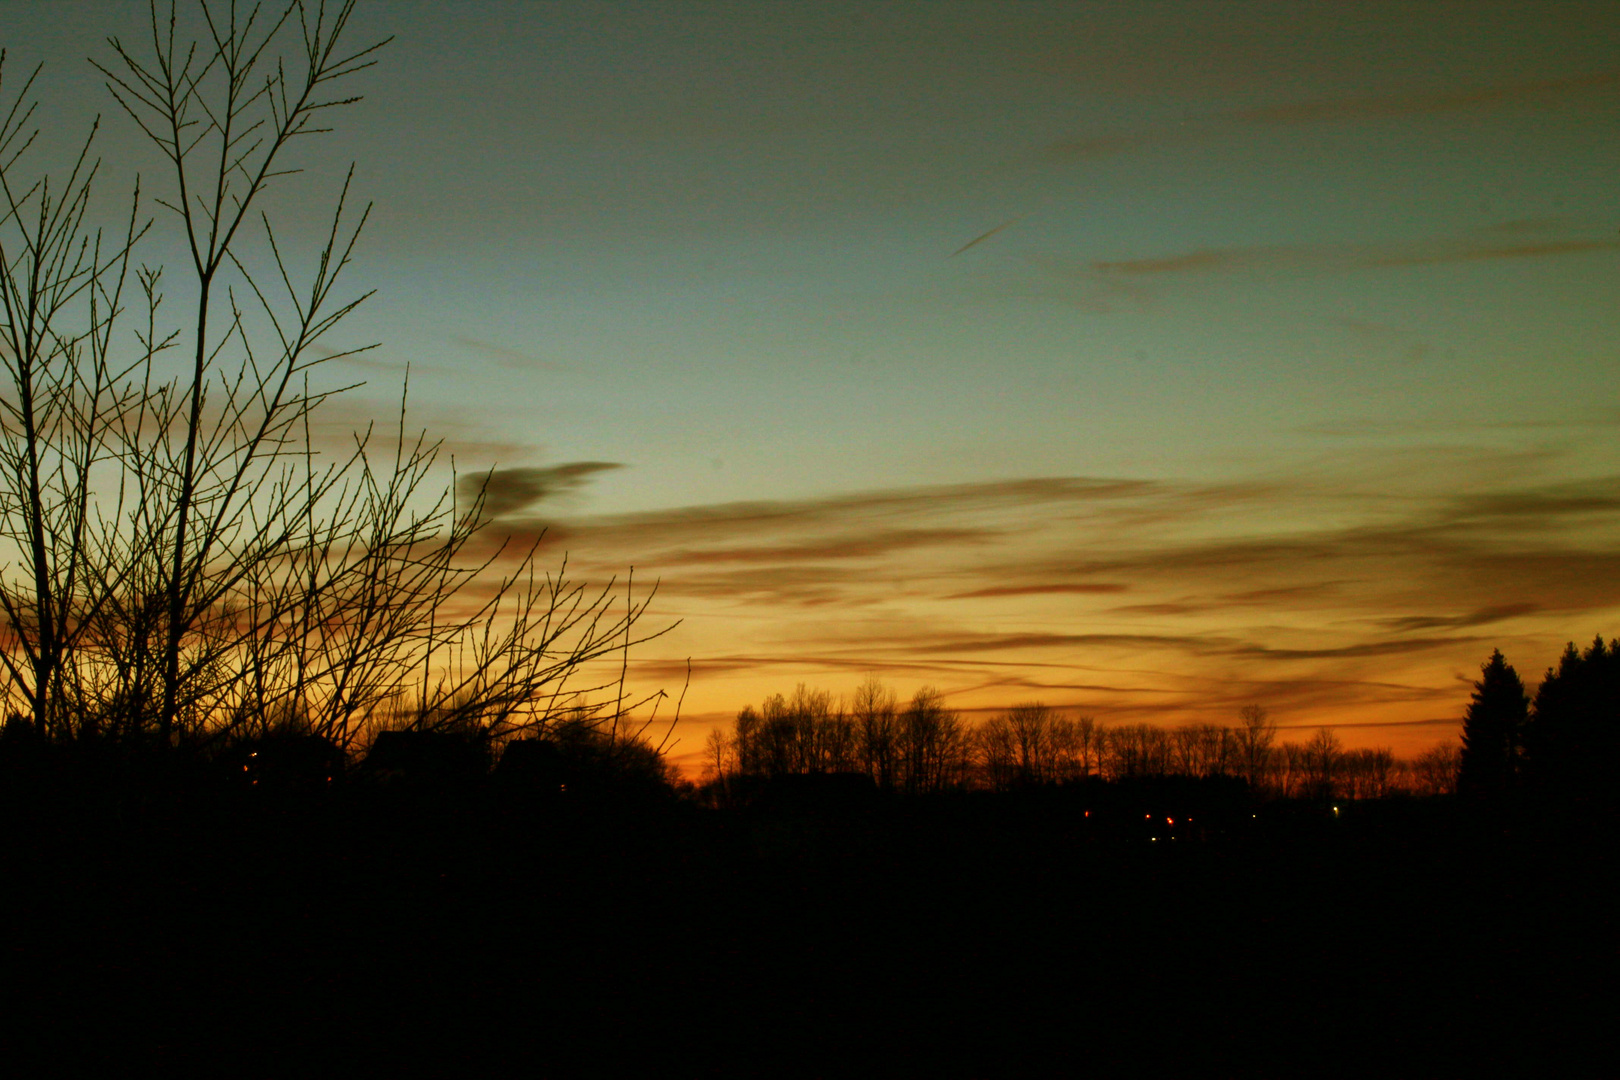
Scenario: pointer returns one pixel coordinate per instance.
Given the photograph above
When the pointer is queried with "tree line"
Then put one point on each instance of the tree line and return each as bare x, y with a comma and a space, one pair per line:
1561, 744
921, 745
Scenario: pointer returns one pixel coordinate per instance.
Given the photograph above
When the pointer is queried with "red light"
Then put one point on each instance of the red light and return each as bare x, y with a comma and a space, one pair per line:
1169, 821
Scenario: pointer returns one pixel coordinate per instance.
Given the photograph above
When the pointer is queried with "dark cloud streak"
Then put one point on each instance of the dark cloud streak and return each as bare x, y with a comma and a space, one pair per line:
508, 491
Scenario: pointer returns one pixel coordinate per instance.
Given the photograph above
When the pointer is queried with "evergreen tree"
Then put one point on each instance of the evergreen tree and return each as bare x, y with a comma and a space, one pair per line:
1493, 730
1574, 735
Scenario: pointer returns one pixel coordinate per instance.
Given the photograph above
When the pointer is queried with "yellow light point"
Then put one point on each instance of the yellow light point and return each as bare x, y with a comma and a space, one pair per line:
1169, 821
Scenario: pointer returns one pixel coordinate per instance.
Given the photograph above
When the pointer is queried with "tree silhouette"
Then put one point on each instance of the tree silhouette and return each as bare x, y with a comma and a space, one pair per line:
181, 561
1434, 771
876, 714
933, 744
1493, 731
1323, 759
1254, 744
1574, 735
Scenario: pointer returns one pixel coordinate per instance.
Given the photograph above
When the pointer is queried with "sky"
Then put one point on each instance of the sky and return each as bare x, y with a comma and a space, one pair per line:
1149, 360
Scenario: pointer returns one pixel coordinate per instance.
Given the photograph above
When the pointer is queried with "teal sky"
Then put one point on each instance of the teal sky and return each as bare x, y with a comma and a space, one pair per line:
1355, 260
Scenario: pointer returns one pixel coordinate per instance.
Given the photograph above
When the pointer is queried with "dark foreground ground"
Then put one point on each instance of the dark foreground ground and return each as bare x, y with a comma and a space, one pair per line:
391, 931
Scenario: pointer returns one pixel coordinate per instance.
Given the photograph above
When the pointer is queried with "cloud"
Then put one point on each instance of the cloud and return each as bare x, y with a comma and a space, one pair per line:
1137, 283
507, 356
1329, 602
1357, 651
508, 491
368, 359
1414, 103
1462, 253
1315, 593
457, 430
782, 585
682, 530
1191, 262
1479, 617
849, 546
1574, 417
1050, 589
981, 643
1077, 538
1371, 108
1159, 609
1447, 722
1270, 259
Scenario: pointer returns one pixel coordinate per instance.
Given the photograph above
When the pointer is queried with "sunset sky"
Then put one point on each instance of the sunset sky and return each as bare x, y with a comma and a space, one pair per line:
1146, 359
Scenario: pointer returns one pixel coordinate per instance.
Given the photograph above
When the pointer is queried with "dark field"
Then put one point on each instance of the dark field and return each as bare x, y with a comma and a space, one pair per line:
163, 920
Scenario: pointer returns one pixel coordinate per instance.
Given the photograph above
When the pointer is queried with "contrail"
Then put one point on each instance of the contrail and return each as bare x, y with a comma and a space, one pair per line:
982, 237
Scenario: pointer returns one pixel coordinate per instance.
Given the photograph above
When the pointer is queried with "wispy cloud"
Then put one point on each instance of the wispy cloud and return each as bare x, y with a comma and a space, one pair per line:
1464, 252
1419, 102
1575, 417
1278, 258
986, 643
1324, 603
849, 546
1138, 282
1371, 108
854, 519
504, 354
1357, 651
1478, 617
1050, 589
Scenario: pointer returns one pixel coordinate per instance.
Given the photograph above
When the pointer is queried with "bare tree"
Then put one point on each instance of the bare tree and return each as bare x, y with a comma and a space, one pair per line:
1323, 759
718, 757
1367, 774
1067, 749
1201, 749
1031, 725
1138, 750
1091, 738
1292, 778
1435, 770
188, 562
746, 743
934, 747
876, 715
1255, 737
995, 753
